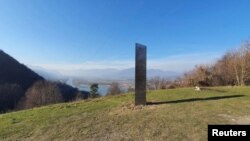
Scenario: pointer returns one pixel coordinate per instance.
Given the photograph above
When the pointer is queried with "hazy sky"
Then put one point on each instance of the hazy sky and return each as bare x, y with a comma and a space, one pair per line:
85, 34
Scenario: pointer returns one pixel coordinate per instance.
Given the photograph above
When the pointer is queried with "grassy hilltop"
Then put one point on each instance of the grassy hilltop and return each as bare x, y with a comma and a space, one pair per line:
178, 114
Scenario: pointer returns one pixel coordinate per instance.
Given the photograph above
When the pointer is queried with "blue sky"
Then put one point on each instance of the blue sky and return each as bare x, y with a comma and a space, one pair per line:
86, 34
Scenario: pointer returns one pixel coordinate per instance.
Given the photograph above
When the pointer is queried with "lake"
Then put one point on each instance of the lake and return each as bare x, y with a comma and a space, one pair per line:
103, 88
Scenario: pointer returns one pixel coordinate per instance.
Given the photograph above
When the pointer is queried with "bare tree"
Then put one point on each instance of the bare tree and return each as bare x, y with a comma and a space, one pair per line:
114, 89
239, 63
154, 83
232, 69
201, 76
157, 83
42, 93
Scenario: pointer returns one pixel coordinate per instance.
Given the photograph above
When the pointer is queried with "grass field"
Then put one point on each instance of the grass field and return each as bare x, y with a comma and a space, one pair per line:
177, 114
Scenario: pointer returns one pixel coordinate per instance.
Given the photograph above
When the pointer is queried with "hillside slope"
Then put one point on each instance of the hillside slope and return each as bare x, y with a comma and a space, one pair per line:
179, 114
12, 72
15, 79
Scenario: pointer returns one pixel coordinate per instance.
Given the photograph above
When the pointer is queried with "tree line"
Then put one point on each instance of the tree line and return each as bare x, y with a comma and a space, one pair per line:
232, 69
13, 97
43, 92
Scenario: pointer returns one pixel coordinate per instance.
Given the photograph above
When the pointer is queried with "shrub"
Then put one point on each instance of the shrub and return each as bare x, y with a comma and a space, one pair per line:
94, 91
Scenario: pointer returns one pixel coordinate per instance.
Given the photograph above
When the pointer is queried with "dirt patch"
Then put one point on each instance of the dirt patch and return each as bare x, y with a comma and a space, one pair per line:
236, 120
130, 108
243, 120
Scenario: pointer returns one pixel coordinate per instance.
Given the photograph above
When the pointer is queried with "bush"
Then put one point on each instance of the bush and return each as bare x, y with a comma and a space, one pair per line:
94, 90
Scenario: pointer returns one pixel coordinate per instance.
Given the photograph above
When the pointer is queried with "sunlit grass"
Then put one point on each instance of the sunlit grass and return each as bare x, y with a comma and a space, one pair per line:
176, 114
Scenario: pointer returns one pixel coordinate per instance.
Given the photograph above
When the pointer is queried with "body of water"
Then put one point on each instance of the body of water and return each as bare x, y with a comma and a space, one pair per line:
103, 89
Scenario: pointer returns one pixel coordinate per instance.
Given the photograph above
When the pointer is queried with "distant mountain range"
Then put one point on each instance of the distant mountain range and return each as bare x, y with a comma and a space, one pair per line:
104, 74
47, 74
